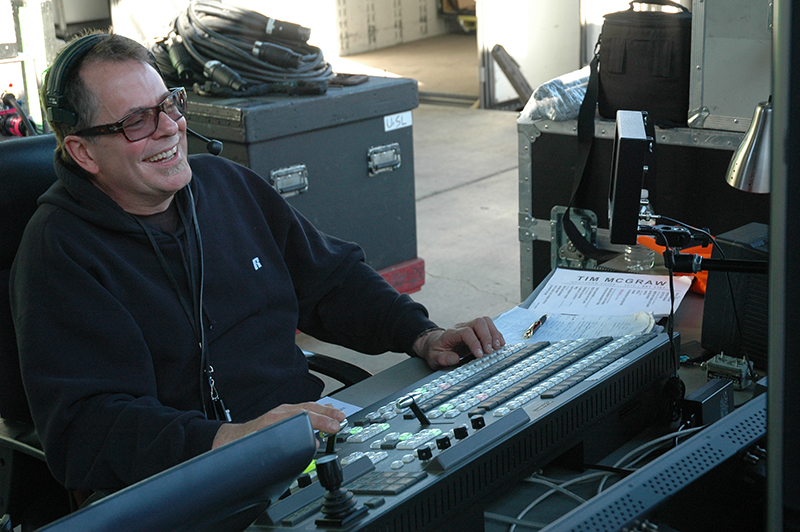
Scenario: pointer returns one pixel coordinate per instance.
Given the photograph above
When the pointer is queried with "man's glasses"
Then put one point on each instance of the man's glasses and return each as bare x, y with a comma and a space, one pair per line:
144, 122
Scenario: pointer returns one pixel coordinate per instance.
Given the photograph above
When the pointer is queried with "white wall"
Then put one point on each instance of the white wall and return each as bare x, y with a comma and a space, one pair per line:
85, 10
144, 20
543, 37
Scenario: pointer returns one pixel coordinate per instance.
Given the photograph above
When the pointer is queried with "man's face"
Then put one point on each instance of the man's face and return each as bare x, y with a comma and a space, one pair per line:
141, 176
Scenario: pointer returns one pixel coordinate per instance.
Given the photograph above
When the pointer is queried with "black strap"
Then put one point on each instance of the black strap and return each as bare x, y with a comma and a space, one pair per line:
586, 116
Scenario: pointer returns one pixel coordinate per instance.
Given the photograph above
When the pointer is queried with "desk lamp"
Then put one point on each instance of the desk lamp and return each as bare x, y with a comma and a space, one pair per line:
750, 167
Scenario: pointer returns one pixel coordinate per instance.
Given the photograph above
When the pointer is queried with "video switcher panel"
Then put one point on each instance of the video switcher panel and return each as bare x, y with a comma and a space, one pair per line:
429, 454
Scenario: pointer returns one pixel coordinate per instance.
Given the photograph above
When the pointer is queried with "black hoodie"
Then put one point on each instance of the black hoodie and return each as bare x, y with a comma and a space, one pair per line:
108, 331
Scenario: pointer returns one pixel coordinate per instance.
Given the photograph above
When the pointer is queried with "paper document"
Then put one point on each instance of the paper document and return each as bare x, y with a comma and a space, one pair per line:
347, 408
514, 322
600, 293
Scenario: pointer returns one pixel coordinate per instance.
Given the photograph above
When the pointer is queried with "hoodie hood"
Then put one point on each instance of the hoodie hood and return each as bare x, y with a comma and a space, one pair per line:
75, 193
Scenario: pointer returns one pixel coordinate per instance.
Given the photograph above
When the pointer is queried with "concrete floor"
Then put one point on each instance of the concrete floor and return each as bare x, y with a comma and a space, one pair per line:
445, 64
465, 163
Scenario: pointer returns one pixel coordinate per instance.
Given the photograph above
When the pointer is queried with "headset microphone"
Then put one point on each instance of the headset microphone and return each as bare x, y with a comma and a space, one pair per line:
213, 146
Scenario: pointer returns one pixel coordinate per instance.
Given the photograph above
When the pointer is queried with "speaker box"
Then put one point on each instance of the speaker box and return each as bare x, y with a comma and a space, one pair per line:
750, 292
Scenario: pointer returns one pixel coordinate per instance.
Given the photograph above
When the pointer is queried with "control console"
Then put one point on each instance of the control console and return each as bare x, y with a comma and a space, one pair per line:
430, 453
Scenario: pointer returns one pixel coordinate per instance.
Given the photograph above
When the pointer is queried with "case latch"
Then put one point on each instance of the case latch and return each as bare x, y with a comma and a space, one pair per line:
383, 158
290, 181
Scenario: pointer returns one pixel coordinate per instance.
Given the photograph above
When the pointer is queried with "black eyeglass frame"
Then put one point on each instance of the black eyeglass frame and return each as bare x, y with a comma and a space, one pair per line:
119, 125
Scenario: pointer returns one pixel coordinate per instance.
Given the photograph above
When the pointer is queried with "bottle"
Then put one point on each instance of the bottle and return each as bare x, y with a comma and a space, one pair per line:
639, 258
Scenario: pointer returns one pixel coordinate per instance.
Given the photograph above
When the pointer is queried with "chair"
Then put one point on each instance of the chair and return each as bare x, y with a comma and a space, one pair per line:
28, 492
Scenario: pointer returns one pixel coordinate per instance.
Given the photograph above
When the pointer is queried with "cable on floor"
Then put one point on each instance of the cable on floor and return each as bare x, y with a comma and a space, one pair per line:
645, 448
560, 488
620, 467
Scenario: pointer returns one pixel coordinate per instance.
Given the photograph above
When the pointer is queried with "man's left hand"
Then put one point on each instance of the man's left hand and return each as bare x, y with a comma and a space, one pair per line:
441, 348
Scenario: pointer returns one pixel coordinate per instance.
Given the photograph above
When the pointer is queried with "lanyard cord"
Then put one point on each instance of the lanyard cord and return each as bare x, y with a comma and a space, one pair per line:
205, 366
195, 312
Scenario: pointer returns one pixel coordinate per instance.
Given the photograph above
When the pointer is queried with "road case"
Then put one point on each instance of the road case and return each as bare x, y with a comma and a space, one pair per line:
344, 159
687, 184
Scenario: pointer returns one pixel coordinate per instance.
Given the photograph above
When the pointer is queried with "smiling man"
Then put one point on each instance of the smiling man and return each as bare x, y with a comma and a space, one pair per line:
156, 296
140, 175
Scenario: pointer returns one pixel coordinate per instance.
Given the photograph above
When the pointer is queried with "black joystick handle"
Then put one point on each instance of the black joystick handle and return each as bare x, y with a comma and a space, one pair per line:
410, 402
338, 504
329, 472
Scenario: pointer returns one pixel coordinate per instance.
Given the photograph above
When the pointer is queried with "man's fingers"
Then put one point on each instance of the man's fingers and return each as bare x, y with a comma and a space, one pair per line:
496, 336
323, 417
490, 338
479, 336
323, 423
325, 410
468, 337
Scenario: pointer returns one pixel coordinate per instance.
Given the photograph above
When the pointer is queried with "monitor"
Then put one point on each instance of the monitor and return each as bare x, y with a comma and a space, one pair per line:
632, 158
223, 490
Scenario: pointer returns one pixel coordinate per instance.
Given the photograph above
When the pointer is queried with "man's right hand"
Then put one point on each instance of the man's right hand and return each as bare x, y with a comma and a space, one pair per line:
324, 418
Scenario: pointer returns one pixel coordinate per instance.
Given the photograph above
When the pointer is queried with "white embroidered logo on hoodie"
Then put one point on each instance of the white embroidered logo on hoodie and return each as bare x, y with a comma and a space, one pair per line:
256, 263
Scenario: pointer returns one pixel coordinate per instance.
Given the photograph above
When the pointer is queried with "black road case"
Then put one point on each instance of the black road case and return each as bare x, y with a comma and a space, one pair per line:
687, 184
344, 159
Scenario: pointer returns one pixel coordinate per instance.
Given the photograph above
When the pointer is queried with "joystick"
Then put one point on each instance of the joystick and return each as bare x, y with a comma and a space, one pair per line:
410, 402
330, 439
338, 504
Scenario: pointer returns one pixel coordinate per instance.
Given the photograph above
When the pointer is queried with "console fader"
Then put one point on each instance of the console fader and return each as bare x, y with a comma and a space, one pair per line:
429, 454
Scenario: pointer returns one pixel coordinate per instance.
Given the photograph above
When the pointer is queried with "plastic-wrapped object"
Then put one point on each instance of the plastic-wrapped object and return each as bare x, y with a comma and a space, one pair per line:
560, 98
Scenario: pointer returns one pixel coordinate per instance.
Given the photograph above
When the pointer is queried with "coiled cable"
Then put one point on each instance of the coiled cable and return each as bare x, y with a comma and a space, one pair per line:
27, 127
225, 50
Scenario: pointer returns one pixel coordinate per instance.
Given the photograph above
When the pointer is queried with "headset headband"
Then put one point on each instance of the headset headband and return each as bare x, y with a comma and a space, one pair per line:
58, 110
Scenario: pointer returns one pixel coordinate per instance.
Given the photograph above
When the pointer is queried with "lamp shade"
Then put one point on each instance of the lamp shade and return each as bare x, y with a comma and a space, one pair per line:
750, 167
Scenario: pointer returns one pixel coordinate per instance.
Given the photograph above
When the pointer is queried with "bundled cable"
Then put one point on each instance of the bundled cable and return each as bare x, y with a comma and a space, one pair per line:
14, 121
225, 50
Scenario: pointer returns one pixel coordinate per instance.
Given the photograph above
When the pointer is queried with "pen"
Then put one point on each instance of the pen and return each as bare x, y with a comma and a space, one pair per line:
536, 324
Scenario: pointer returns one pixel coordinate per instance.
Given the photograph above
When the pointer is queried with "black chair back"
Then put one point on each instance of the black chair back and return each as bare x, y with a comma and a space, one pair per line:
27, 172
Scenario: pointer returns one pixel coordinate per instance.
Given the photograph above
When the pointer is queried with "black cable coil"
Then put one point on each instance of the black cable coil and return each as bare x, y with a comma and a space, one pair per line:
225, 50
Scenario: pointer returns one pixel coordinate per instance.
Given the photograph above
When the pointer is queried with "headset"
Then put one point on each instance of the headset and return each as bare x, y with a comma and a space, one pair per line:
57, 108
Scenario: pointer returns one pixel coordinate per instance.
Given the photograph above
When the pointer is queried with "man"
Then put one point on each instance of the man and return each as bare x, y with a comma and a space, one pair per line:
156, 297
